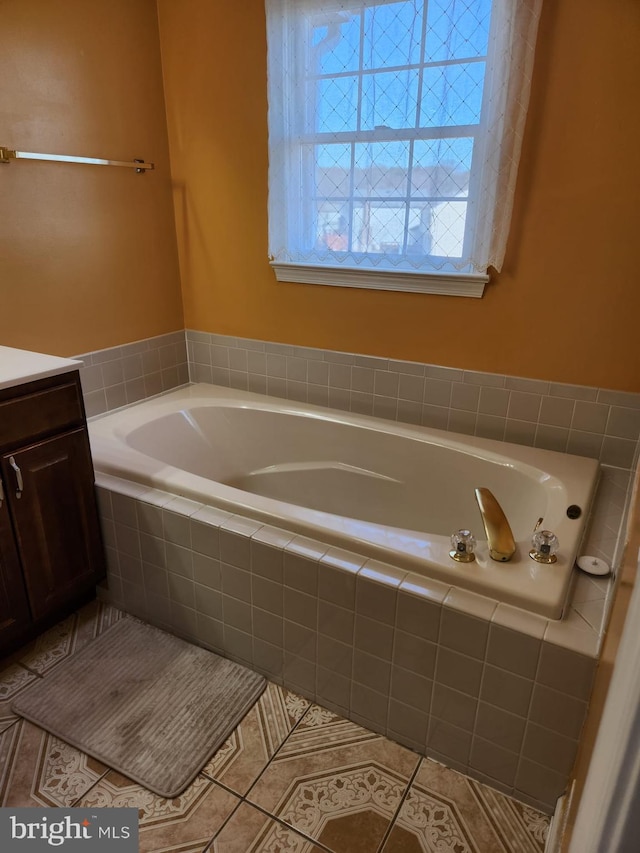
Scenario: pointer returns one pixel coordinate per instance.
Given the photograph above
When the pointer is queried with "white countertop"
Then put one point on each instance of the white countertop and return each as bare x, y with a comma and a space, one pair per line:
19, 365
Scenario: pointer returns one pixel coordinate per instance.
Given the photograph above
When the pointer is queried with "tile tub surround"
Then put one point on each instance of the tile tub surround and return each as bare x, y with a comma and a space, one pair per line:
484, 688
124, 374
260, 622
586, 421
577, 419
597, 423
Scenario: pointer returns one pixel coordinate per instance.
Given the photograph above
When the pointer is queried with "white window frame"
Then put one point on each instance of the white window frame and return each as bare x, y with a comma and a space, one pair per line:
447, 284
367, 274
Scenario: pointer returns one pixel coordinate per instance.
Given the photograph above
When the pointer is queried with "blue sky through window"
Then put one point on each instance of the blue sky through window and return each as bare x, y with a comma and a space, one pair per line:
390, 36
382, 69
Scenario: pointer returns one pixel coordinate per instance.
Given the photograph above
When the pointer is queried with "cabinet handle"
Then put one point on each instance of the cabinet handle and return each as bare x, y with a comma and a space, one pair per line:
20, 488
1, 493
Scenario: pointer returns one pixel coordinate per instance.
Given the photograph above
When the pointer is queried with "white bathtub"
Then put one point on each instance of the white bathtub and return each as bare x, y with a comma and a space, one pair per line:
390, 491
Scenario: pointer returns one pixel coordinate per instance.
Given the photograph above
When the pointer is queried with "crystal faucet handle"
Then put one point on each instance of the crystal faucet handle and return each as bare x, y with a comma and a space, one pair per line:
545, 546
462, 544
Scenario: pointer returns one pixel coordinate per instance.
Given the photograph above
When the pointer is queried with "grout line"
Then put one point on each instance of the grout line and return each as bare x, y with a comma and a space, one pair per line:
75, 802
209, 843
393, 820
32, 671
263, 771
244, 797
290, 826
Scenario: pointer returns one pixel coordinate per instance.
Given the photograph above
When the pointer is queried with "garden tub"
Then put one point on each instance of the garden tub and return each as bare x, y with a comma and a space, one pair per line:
381, 489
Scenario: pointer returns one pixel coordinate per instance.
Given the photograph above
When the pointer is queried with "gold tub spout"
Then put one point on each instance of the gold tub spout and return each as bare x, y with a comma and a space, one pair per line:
500, 539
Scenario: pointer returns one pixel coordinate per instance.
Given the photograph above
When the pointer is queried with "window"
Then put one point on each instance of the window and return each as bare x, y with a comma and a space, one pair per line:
394, 135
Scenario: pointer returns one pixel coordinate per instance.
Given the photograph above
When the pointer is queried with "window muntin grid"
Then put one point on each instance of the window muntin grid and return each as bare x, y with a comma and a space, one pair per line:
393, 97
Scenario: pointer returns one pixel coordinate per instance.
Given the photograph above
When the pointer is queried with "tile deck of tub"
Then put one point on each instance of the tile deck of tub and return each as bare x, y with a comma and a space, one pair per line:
484, 688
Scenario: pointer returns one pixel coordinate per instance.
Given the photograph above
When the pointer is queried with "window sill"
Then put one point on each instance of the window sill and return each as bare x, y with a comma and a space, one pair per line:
446, 284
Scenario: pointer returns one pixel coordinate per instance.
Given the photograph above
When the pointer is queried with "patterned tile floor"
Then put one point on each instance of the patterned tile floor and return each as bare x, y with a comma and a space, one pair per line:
292, 778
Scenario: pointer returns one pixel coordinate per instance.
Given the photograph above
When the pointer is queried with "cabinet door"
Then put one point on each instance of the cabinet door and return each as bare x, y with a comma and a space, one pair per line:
55, 519
14, 608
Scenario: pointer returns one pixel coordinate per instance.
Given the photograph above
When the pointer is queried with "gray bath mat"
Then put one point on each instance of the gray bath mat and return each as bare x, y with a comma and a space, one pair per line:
145, 703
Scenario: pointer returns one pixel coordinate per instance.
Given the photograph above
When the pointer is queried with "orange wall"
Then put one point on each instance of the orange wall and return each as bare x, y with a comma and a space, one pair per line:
559, 308
88, 254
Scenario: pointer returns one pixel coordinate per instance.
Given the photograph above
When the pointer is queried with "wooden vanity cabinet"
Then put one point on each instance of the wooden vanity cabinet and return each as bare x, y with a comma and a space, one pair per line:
51, 554
15, 616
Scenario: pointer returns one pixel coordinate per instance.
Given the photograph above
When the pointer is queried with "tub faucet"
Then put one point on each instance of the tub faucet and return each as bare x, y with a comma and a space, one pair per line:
499, 536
